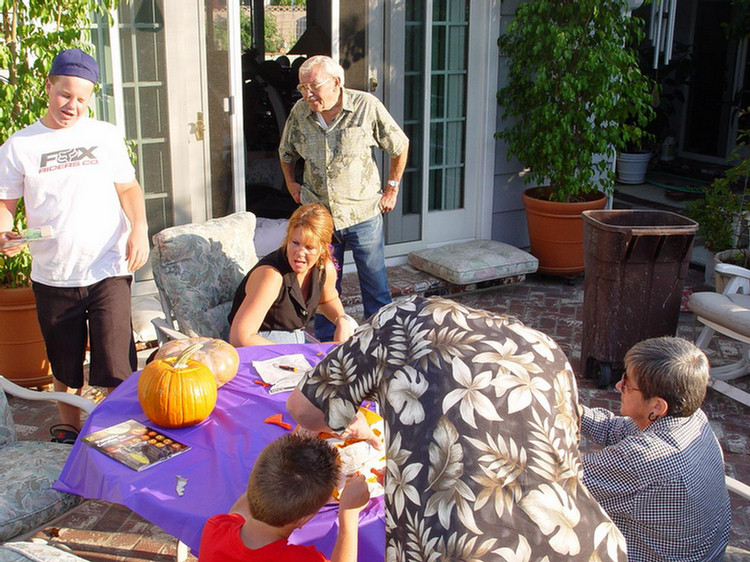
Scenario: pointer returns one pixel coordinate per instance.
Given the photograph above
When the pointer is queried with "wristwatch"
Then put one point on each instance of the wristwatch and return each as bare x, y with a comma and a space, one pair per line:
393, 183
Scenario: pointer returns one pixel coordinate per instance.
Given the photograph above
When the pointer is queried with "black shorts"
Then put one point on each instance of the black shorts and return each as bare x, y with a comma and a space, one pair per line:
71, 317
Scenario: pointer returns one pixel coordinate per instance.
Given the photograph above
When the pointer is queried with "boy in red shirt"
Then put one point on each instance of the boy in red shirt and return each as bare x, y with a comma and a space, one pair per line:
292, 479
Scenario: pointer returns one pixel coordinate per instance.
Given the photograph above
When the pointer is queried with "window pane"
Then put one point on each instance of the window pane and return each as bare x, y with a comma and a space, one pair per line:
456, 54
438, 48
436, 144
437, 97
455, 97
454, 143
436, 190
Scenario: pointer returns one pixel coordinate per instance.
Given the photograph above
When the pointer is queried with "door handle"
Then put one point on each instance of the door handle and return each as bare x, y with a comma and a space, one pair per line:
199, 127
373, 84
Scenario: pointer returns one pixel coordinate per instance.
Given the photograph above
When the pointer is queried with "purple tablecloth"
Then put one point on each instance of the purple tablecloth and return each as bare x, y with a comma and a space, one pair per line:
224, 448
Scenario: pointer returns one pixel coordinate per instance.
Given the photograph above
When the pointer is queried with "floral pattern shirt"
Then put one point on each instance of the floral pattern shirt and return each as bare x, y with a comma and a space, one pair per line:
481, 431
340, 170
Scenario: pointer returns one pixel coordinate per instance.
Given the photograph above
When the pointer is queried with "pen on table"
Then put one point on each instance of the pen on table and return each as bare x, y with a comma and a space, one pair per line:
287, 368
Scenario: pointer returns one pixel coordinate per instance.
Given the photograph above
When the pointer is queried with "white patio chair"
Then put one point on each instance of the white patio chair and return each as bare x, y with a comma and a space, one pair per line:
727, 313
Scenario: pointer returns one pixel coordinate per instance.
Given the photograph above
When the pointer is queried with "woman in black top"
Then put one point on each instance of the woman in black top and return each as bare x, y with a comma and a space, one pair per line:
279, 296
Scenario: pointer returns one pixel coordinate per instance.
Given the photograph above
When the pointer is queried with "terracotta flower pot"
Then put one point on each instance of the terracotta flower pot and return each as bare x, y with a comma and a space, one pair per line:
23, 357
556, 231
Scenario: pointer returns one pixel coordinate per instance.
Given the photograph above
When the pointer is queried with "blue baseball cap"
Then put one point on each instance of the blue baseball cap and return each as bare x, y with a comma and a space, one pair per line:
74, 62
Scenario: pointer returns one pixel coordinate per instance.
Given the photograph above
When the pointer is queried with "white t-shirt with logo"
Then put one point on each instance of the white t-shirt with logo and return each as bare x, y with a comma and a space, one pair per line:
67, 179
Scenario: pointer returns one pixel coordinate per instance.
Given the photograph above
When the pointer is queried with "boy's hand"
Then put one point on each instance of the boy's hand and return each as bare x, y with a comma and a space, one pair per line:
6, 237
355, 494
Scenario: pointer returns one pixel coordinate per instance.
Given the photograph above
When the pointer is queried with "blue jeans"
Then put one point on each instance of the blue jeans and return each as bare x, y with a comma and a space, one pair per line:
367, 244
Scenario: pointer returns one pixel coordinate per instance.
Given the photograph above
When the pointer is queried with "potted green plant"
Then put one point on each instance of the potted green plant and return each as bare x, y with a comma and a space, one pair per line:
575, 96
32, 34
724, 211
668, 82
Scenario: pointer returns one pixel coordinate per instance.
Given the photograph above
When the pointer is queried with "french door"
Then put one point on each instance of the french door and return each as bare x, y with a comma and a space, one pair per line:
173, 82
439, 70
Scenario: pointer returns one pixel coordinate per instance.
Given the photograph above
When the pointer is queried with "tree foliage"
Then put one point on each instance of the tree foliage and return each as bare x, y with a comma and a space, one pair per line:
574, 91
33, 32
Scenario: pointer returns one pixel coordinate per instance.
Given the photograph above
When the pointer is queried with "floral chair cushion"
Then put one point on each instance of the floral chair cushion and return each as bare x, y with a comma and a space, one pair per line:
27, 501
7, 427
198, 267
38, 552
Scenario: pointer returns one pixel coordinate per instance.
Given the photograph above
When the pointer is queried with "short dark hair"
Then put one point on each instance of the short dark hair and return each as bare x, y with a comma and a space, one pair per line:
670, 368
293, 477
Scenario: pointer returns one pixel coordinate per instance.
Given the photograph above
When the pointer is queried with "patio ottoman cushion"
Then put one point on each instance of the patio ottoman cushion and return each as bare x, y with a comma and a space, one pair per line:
474, 262
27, 501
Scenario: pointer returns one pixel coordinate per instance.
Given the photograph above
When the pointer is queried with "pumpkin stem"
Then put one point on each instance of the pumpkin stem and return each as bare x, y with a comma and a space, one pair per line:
182, 358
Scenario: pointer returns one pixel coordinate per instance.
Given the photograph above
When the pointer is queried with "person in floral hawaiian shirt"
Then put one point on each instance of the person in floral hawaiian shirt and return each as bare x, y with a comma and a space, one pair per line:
481, 432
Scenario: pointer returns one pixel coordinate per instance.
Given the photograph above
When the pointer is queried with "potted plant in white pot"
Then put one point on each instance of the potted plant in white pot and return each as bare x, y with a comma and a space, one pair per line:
33, 33
668, 82
575, 96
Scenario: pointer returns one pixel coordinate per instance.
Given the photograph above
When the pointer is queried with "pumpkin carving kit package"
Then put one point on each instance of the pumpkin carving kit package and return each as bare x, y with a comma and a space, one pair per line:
135, 445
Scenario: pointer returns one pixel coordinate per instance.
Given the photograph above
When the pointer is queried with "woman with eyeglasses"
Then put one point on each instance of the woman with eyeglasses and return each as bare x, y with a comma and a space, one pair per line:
660, 475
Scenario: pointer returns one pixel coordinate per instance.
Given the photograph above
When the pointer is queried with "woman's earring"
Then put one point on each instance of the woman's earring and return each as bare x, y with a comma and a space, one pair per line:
652, 417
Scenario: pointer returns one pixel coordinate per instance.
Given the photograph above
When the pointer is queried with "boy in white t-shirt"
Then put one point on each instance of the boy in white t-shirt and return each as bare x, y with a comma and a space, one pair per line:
75, 176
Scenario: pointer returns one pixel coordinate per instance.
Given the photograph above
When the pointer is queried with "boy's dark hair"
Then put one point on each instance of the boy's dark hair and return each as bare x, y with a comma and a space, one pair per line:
293, 477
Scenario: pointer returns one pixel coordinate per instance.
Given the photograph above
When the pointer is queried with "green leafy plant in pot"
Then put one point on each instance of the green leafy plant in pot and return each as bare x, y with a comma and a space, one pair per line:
575, 96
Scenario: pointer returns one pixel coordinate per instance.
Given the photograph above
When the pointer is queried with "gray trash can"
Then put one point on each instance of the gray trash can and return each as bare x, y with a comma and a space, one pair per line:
635, 266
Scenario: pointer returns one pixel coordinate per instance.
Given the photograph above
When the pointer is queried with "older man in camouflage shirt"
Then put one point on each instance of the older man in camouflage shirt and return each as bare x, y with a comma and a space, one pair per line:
335, 129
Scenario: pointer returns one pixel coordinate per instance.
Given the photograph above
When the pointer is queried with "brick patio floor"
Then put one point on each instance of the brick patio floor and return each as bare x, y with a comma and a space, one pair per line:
100, 531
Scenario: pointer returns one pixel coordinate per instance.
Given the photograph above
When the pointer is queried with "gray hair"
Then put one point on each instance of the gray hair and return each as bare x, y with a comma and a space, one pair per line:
670, 368
329, 65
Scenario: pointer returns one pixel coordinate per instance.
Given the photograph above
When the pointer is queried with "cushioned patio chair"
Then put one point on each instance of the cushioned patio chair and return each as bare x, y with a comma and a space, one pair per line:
29, 468
727, 313
197, 269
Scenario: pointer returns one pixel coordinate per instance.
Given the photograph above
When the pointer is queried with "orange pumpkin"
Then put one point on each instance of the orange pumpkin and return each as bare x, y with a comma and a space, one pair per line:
177, 392
220, 357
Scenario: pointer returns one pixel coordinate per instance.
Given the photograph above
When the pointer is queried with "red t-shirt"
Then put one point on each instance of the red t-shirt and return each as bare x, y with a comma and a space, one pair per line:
221, 542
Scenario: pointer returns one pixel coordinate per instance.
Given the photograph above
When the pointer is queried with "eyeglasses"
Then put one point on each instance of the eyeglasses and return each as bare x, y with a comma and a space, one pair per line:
624, 384
312, 86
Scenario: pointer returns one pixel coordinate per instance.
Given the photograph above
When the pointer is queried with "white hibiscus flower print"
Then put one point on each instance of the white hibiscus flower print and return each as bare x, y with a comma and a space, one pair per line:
540, 342
404, 391
556, 514
507, 360
524, 389
470, 394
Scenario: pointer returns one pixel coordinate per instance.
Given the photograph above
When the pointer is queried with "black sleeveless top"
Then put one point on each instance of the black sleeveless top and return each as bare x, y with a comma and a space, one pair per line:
289, 311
